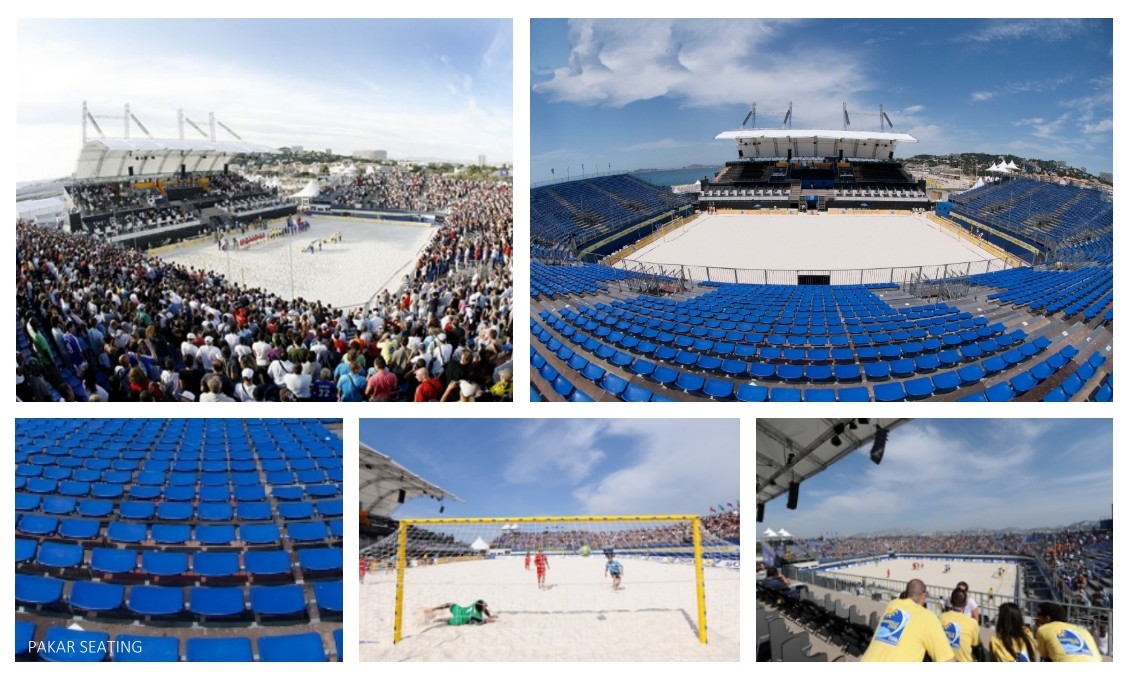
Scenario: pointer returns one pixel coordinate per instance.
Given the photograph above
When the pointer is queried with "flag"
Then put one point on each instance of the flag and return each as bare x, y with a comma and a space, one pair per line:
713, 510
551, 171
720, 507
729, 505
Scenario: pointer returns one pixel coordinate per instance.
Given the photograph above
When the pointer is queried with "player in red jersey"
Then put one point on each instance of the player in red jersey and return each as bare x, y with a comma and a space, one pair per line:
526, 561
541, 565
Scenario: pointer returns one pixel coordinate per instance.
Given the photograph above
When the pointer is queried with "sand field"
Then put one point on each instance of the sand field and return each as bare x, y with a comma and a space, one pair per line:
578, 617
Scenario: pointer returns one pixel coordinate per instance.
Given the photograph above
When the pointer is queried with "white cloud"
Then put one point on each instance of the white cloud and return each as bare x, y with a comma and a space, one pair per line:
681, 466
1045, 30
556, 451
912, 110
698, 62
982, 96
655, 145
265, 106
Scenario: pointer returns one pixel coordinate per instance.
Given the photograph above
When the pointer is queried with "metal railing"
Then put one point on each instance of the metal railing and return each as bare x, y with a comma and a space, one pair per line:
1093, 618
895, 275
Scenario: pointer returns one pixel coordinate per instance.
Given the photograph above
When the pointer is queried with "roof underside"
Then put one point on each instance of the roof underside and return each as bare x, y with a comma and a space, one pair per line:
803, 447
111, 159
381, 479
769, 143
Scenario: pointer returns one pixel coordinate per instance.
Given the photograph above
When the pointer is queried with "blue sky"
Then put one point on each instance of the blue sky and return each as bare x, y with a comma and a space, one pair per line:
940, 475
652, 93
417, 88
533, 467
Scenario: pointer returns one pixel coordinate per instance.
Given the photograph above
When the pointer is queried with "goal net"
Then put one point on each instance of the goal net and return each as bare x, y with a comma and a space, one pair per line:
551, 577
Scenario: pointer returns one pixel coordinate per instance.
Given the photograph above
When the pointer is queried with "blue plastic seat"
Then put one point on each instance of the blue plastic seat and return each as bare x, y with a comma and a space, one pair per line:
25, 549
947, 381
919, 388
292, 648
664, 375
819, 394
234, 649
1023, 382
593, 372
762, 370
784, 394
888, 392
216, 564
96, 597
32, 590
337, 638
1000, 392
329, 597
751, 393
258, 534
215, 511
278, 600
155, 601
902, 368
163, 563
579, 396
636, 393
268, 563
877, 371
211, 602
112, 561
853, 394
718, 388
136, 510
59, 555
75, 645
145, 648
320, 559
215, 534
689, 382
970, 374
307, 531
25, 636
789, 372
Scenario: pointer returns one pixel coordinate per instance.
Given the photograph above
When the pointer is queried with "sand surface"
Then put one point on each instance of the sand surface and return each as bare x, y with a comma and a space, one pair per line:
977, 575
805, 242
372, 255
578, 617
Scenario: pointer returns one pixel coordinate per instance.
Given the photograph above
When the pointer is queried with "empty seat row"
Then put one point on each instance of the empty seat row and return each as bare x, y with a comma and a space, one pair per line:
61, 645
211, 534
113, 561
184, 511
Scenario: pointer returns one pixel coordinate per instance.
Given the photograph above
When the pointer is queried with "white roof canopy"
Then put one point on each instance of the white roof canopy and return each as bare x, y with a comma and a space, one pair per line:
762, 143
112, 158
381, 481
803, 447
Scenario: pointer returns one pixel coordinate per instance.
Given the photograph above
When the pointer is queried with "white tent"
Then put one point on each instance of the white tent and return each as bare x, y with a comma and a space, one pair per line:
784, 534
769, 533
479, 545
310, 189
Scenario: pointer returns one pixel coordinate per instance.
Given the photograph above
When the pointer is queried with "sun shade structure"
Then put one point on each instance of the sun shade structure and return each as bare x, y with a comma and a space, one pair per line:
805, 447
771, 143
384, 484
111, 159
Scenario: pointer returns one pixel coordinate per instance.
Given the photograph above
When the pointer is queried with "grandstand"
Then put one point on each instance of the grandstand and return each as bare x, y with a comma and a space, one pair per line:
178, 540
1031, 321
205, 248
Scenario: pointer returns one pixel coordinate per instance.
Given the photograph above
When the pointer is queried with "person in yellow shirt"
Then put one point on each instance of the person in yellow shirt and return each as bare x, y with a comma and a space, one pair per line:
908, 631
1059, 641
961, 629
1012, 641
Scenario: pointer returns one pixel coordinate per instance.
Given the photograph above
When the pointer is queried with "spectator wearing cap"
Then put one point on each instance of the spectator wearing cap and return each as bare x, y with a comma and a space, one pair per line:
246, 389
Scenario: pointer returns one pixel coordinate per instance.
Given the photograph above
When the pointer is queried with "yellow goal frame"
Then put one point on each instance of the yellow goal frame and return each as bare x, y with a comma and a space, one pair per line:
696, 529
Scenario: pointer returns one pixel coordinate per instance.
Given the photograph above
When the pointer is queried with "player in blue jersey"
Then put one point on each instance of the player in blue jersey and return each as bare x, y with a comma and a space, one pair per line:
615, 569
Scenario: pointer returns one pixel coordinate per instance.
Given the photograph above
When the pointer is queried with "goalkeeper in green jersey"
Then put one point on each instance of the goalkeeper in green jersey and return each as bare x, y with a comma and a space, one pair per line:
475, 613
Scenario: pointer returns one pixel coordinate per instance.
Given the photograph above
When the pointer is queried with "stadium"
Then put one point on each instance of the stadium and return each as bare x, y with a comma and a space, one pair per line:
162, 264
679, 599
814, 267
178, 540
824, 597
